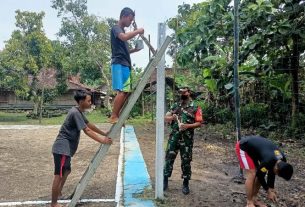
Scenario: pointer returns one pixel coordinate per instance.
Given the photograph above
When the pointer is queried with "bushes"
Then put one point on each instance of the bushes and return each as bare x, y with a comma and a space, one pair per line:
299, 130
254, 114
224, 115
213, 114
47, 114
263, 119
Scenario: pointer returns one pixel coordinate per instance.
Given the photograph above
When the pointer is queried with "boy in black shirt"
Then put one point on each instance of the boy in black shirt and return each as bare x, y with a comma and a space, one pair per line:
67, 141
259, 156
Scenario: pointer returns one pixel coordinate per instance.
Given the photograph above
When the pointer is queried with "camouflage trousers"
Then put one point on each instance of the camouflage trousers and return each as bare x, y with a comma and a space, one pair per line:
179, 142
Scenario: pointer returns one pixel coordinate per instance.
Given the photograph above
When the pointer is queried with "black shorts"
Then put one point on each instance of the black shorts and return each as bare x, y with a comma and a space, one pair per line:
62, 163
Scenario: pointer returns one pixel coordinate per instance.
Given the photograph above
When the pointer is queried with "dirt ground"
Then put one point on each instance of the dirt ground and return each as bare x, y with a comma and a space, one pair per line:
26, 166
26, 169
214, 165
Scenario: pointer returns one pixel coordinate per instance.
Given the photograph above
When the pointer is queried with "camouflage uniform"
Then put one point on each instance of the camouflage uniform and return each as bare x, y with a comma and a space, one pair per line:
181, 140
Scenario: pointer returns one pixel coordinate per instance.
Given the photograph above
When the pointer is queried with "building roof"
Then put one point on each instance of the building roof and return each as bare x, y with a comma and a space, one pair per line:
74, 83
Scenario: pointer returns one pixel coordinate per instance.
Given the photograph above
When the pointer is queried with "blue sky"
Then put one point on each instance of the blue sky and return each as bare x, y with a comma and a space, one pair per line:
148, 15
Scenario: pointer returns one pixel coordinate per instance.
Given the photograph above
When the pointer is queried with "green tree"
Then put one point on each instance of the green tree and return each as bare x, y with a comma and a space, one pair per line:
87, 39
275, 36
203, 44
26, 53
271, 45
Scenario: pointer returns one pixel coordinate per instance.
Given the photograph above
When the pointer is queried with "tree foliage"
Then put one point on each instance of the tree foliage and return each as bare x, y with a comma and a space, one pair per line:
87, 40
26, 53
272, 45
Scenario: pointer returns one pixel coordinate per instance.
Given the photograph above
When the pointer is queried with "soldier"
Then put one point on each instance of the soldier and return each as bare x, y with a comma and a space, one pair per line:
184, 116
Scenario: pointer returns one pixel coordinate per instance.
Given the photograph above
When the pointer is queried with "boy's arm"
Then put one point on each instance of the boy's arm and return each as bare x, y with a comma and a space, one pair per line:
103, 140
270, 179
270, 182
129, 35
97, 130
260, 174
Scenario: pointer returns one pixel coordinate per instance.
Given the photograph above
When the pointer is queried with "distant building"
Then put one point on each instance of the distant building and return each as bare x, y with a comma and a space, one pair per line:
9, 100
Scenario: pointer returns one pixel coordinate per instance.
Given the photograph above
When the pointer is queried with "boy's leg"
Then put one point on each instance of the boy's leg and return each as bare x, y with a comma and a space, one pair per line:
121, 82
250, 188
56, 190
257, 186
247, 163
63, 181
118, 103
62, 170
126, 97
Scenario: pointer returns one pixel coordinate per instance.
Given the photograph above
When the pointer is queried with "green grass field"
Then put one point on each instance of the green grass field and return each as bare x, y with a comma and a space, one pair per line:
97, 116
20, 119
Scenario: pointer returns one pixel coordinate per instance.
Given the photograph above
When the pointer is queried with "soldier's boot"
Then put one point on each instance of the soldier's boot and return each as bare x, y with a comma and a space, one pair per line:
165, 183
185, 187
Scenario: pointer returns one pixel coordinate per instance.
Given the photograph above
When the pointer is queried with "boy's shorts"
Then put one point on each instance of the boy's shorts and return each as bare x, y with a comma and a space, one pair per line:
121, 78
62, 163
245, 160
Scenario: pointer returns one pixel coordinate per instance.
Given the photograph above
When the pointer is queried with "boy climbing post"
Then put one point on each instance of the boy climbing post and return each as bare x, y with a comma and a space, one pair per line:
120, 60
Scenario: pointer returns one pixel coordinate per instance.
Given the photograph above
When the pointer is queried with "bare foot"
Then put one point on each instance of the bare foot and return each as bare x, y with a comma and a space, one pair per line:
260, 204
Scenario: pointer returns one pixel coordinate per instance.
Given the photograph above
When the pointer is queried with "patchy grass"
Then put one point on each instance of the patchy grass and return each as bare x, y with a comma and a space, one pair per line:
139, 121
12, 117
97, 116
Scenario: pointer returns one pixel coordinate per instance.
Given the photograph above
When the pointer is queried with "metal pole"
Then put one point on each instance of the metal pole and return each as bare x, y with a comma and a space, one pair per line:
160, 116
236, 80
236, 64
